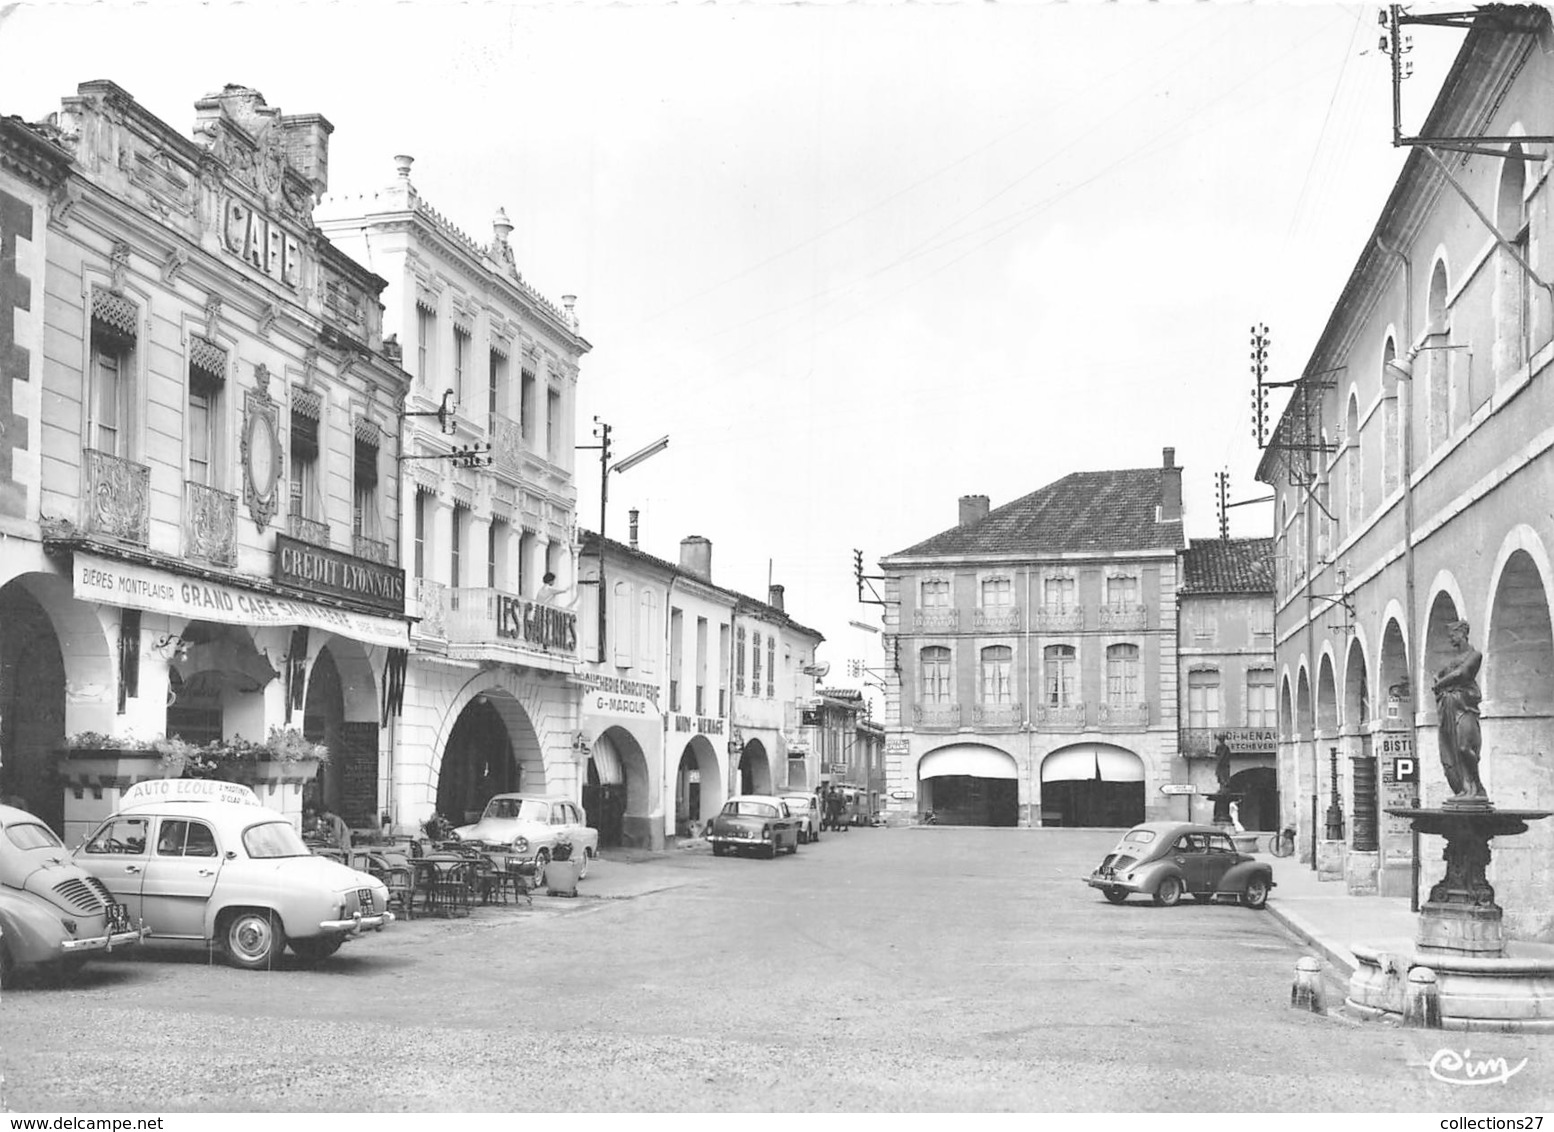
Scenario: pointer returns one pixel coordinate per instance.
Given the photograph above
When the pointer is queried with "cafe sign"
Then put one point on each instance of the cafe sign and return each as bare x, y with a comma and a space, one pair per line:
261, 243
320, 569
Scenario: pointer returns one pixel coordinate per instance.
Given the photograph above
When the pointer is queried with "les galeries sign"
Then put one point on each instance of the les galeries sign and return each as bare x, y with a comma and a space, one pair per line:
261, 242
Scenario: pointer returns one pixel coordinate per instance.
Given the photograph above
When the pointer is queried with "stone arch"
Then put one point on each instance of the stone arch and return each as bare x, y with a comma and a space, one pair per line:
1444, 607
1286, 708
1511, 291
754, 770
1303, 717
1392, 664
1519, 641
699, 791
1354, 464
1437, 360
524, 748
1327, 692
1357, 694
1391, 433
617, 790
1092, 784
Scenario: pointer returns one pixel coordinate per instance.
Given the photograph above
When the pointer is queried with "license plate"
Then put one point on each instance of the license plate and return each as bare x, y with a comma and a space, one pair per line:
118, 918
364, 895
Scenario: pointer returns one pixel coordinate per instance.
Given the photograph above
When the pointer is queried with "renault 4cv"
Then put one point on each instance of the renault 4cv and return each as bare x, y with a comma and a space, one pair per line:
1169, 860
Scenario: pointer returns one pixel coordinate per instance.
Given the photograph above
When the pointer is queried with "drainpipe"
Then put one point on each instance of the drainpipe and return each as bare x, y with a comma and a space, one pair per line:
1405, 370
1032, 803
663, 758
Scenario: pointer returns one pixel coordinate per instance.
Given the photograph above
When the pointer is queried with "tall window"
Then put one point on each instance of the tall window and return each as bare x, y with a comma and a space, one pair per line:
755, 664
997, 666
1203, 699
526, 578
936, 593
456, 546
553, 425
1058, 682
723, 667
676, 656
701, 666
739, 663
364, 491
201, 425
1122, 591
460, 362
1058, 594
425, 343
1261, 710
935, 662
526, 407
997, 594
494, 387
114, 323
304, 463
1122, 675
771, 666
496, 534
1354, 470
420, 533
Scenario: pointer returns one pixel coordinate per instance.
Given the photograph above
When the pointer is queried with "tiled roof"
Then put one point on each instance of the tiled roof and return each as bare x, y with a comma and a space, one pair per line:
1084, 512
1228, 566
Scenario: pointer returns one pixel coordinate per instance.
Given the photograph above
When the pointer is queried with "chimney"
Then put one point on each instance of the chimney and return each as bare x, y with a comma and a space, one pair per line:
973, 509
1170, 487
633, 514
696, 556
774, 597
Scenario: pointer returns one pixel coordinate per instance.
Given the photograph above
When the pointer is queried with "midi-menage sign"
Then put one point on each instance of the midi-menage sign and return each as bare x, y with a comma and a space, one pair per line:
323, 570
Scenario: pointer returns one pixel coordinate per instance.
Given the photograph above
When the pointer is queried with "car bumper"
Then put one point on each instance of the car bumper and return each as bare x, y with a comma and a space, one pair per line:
358, 924
1095, 880
105, 942
725, 839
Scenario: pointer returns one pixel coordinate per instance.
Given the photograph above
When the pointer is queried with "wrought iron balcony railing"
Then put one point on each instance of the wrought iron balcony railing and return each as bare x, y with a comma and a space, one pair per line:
1070, 717
475, 616
996, 717
432, 602
998, 620
310, 531
1123, 617
936, 620
372, 549
115, 497
209, 524
937, 717
1059, 619
1123, 717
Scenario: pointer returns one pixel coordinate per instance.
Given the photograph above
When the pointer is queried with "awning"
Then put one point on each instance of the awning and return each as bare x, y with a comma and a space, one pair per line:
966, 759
1091, 762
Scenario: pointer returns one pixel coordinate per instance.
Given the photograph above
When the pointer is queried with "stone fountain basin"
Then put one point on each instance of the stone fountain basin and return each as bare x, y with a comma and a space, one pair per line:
1509, 992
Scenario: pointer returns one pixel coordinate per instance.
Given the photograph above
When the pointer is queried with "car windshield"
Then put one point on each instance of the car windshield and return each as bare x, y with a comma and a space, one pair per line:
516, 809
751, 809
32, 835
273, 839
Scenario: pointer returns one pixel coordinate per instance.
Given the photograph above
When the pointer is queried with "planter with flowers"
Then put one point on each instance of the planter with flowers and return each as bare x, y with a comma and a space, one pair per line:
277, 769
562, 873
96, 769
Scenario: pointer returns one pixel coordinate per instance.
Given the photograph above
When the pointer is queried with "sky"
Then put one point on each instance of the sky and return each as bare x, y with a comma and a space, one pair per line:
856, 260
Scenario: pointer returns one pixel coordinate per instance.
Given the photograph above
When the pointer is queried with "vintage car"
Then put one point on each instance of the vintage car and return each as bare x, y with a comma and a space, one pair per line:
806, 808
206, 862
754, 822
529, 825
54, 915
1167, 860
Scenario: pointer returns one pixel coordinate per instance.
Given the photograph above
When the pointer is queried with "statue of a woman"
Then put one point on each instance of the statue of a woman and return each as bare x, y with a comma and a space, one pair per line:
1457, 698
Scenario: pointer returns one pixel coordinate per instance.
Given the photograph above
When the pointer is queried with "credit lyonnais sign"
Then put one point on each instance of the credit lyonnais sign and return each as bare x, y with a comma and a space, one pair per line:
318, 568
156, 591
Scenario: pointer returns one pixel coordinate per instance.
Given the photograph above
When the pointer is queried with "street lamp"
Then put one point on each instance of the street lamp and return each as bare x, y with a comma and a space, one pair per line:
625, 464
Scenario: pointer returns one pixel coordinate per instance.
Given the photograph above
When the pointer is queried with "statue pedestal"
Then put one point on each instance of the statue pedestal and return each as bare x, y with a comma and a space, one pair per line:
1458, 929
1222, 801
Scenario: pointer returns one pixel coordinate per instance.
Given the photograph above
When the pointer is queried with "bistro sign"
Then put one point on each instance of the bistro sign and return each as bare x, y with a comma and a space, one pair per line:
322, 570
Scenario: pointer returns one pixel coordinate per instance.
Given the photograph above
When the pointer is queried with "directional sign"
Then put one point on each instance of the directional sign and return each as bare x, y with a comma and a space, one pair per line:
1178, 788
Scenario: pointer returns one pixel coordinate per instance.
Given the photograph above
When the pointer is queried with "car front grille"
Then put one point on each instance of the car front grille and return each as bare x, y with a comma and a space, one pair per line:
86, 896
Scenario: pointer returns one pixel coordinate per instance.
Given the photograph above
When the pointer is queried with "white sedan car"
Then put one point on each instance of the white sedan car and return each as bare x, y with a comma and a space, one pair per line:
807, 809
528, 827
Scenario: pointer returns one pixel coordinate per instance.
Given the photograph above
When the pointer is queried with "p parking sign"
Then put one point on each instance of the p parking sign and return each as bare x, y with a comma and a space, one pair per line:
1405, 768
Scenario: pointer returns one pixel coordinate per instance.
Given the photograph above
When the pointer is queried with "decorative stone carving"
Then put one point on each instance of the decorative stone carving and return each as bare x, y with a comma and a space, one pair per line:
261, 450
176, 261
267, 319
118, 265
212, 315
309, 364
62, 201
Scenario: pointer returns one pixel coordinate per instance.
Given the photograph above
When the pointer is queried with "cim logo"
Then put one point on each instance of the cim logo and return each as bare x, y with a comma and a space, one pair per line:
1463, 1069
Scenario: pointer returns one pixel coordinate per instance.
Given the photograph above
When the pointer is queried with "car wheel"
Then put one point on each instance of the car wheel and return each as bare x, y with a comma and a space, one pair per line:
771, 851
1169, 892
803, 837
7, 967
1256, 894
254, 939
1115, 893
582, 864
719, 849
794, 848
317, 949
541, 859
816, 835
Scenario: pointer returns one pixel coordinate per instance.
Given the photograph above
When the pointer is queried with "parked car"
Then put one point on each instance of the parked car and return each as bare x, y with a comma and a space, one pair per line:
205, 862
529, 825
806, 808
754, 822
1167, 860
53, 915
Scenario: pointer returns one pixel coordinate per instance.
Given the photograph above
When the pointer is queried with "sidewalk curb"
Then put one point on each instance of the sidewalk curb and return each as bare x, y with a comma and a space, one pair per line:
1339, 958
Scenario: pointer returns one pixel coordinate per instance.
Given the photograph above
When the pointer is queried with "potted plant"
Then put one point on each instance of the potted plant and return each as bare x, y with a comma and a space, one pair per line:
561, 874
98, 758
286, 756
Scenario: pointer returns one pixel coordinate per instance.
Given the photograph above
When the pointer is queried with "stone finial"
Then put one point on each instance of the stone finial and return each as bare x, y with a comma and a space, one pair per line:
502, 226
402, 164
569, 302
501, 250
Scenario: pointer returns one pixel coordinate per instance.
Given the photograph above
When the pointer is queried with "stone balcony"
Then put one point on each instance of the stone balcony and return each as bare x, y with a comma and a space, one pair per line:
1004, 620
209, 524
1071, 717
1053, 619
115, 497
1123, 618
372, 549
310, 531
477, 615
997, 717
936, 717
1122, 717
936, 620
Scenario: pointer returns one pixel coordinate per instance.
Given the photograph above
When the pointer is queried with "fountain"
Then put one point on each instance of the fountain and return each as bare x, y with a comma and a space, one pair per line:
1460, 972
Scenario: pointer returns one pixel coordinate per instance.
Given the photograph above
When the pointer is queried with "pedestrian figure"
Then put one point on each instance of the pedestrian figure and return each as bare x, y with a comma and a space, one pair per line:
1457, 699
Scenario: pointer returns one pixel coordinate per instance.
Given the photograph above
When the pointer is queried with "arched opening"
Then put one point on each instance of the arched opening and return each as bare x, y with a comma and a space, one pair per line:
323, 721
754, 774
617, 796
1394, 675
1357, 700
698, 792
1437, 643
1303, 706
1286, 714
478, 760
1327, 697
1258, 807
1511, 290
1092, 784
1438, 362
1391, 438
32, 706
1519, 656
216, 673
969, 784
1354, 472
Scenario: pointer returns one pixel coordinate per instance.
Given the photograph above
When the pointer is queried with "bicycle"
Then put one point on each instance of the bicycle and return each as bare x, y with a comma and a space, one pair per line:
1282, 844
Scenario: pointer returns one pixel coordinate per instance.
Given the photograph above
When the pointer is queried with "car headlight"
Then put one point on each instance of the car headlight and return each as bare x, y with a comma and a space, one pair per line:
766, 833
520, 845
